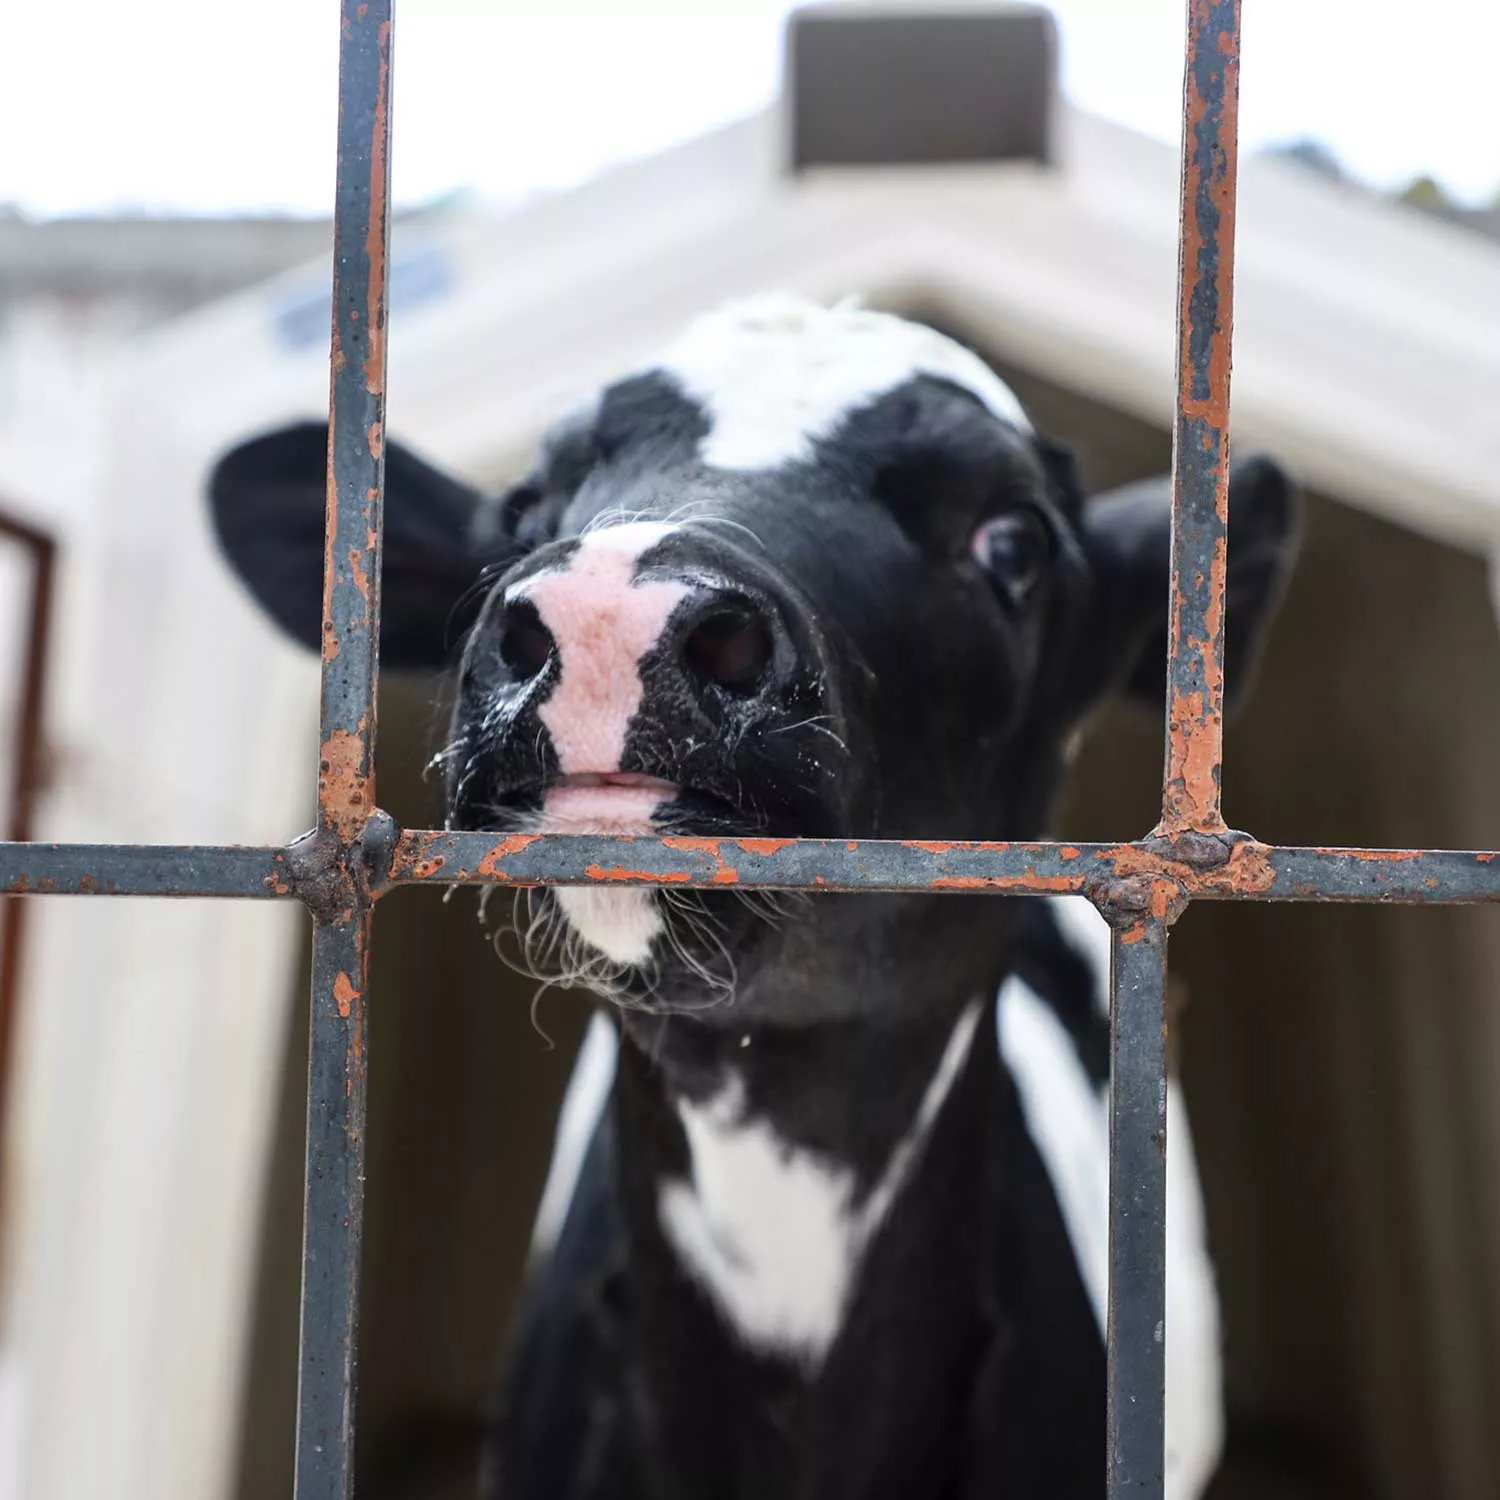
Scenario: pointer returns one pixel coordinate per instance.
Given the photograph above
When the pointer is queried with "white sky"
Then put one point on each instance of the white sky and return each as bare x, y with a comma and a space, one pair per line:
184, 105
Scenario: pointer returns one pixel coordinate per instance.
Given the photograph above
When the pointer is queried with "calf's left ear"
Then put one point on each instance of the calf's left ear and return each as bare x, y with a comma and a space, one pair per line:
1127, 538
267, 501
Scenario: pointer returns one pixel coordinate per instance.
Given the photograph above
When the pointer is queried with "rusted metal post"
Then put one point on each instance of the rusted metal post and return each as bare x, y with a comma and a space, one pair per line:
334, 1203
1137, 1209
427, 856
26, 769
1200, 435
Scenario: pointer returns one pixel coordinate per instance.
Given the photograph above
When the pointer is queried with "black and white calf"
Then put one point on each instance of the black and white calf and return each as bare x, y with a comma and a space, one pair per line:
839, 1231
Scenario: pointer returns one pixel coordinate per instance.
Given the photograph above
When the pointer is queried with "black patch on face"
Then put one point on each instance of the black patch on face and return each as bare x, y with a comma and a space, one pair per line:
762, 756
500, 760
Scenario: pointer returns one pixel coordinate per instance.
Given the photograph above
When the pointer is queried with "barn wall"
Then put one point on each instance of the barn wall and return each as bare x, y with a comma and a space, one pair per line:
1340, 1063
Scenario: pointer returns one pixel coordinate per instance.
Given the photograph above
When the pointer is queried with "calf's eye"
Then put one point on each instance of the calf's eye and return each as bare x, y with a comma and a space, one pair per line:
1015, 551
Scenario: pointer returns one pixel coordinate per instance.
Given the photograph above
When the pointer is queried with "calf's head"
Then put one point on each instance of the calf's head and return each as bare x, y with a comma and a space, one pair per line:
812, 573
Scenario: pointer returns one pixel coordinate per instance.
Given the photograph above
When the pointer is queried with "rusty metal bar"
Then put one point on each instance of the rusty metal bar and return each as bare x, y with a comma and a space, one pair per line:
1223, 869
1136, 1411
180, 870
1200, 434
26, 768
333, 1211
1241, 869
334, 1201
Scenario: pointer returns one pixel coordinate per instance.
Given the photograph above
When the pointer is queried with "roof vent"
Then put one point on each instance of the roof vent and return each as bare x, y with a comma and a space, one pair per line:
883, 85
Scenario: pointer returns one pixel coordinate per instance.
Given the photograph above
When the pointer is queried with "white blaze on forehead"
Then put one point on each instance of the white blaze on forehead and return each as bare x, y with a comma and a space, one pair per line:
774, 1232
774, 374
602, 621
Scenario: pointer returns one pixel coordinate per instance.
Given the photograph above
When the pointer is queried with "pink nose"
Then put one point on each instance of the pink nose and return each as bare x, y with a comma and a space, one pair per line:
601, 622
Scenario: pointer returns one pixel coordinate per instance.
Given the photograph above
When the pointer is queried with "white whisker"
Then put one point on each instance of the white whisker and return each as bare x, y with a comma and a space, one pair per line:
818, 724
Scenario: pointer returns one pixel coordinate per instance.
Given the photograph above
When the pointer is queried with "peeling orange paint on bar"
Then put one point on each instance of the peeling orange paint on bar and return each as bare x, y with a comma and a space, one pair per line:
490, 864
768, 847
724, 874
375, 239
346, 792
1381, 856
358, 574
621, 876
1030, 882
1194, 738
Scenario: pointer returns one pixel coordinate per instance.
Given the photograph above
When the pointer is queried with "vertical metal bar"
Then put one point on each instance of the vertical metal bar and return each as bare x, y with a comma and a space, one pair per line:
1200, 437
334, 1202
26, 773
356, 462
1137, 1210
333, 1210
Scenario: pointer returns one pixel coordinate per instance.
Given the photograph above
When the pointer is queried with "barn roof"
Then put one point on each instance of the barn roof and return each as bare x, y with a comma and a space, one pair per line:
1361, 352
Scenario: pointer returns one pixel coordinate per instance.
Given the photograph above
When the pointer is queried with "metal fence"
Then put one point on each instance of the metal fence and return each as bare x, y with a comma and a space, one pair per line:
357, 852
26, 772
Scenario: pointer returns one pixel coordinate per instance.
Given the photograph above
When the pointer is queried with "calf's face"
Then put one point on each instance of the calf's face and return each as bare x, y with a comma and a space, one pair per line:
810, 574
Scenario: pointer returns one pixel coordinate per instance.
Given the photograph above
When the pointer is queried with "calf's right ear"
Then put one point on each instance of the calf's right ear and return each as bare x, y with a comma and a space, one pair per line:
441, 535
1127, 538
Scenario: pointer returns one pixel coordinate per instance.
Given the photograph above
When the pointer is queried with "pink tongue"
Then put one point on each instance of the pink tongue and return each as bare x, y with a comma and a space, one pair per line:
604, 809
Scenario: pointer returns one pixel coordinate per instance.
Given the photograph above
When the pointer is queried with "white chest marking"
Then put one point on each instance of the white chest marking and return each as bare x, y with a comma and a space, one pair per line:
1069, 1123
776, 373
775, 1233
588, 1091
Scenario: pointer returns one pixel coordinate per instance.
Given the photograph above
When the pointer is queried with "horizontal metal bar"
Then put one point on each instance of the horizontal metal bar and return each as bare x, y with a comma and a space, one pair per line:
814, 864
144, 870
1441, 876
1247, 870
1137, 1209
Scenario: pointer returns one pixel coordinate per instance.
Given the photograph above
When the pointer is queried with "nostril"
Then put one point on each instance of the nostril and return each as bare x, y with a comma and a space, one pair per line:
731, 649
525, 643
